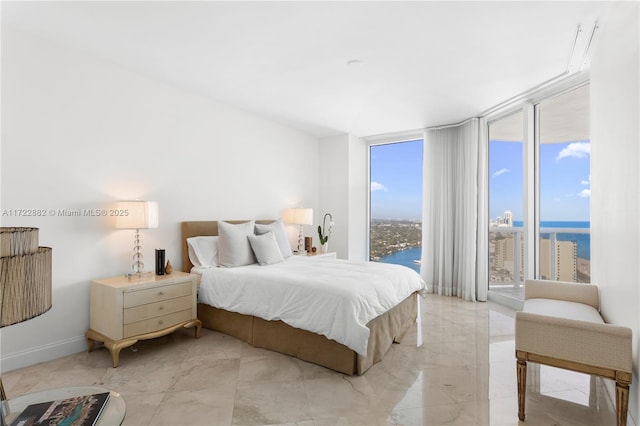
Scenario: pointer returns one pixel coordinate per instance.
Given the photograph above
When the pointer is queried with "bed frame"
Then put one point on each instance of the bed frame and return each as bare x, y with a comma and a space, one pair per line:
277, 336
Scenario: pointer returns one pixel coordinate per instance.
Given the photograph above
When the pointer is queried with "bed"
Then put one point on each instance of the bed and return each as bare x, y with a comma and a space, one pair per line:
278, 335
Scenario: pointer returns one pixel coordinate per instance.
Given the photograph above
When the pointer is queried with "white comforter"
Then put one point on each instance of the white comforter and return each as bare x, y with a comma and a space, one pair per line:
334, 298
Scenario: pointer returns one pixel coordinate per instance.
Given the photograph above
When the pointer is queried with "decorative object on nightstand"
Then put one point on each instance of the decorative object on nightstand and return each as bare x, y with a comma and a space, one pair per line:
160, 261
298, 216
324, 232
124, 310
25, 282
308, 244
168, 268
137, 215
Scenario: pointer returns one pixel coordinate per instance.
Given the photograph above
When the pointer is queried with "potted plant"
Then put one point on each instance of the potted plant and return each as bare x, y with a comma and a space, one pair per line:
324, 233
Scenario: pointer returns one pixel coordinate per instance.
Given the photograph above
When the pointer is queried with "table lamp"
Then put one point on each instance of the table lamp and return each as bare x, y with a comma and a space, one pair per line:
298, 216
137, 215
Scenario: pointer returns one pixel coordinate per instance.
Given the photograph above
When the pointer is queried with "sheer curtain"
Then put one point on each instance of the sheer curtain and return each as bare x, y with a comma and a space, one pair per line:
454, 225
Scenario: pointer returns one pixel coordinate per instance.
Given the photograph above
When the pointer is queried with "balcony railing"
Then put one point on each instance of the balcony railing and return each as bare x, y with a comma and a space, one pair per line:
559, 257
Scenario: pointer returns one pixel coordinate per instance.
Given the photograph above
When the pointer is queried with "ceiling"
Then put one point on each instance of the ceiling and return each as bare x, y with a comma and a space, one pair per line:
563, 118
419, 63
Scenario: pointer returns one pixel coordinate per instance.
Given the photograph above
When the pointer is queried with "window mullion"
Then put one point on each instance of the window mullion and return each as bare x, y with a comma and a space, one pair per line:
529, 191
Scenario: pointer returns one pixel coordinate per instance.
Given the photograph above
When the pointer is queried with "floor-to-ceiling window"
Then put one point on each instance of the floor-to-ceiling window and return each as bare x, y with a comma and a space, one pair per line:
395, 229
539, 189
506, 203
564, 187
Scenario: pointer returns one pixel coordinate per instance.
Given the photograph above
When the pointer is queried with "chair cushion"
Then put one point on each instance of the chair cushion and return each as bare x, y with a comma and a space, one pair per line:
563, 309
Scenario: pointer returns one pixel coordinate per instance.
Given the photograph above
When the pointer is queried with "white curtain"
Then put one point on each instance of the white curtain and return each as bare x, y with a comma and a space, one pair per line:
454, 225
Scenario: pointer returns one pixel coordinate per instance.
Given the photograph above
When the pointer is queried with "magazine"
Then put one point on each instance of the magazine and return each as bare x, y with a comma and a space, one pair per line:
75, 411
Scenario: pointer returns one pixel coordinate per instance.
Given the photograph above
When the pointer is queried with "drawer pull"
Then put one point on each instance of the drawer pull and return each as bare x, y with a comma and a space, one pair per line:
161, 322
161, 293
161, 308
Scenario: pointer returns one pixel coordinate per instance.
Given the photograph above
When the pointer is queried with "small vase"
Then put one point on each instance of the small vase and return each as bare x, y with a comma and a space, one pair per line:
168, 269
324, 248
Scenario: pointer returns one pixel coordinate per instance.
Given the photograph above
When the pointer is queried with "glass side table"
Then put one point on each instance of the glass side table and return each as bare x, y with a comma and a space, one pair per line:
113, 413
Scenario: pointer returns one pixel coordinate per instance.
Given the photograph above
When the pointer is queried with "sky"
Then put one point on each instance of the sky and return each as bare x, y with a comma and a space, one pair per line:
565, 180
396, 181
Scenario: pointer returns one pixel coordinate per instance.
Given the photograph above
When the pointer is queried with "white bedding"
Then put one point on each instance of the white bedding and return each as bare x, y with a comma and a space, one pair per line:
334, 298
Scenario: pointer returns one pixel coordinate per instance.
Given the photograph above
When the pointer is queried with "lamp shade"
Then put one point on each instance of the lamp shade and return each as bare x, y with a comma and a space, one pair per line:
136, 214
25, 281
298, 216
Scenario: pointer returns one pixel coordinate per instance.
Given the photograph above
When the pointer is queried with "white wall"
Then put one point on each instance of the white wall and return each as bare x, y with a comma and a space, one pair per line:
358, 207
334, 190
79, 133
615, 188
343, 186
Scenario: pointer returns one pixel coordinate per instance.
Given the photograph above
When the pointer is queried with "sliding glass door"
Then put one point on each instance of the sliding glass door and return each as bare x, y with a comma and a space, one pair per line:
539, 193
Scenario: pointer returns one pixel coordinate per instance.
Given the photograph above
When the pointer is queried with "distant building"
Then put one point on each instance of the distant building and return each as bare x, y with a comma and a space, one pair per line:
564, 266
508, 218
505, 264
558, 265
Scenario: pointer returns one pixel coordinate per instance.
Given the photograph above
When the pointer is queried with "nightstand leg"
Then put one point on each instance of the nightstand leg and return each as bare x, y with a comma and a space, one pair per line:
195, 323
116, 347
198, 327
115, 357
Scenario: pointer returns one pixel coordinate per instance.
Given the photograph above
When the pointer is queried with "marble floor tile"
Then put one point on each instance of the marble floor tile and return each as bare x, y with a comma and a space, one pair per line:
463, 374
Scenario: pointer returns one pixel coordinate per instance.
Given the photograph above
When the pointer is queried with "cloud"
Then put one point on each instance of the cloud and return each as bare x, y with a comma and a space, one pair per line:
501, 172
575, 150
375, 186
585, 193
584, 182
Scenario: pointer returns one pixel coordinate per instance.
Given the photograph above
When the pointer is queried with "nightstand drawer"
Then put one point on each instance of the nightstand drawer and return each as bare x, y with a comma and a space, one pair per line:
157, 323
156, 294
143, 312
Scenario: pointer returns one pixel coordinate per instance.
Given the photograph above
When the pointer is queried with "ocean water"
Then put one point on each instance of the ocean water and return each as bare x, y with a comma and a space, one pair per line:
407, 257
583, 240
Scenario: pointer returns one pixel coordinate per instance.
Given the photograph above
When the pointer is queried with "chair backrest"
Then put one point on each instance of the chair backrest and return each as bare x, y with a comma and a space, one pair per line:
559, 290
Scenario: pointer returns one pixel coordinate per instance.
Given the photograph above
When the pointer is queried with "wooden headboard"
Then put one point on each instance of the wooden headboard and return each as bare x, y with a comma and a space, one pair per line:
202, 228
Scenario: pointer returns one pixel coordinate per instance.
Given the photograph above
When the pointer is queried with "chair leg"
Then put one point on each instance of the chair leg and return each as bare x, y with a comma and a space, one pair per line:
522, 386
622, 402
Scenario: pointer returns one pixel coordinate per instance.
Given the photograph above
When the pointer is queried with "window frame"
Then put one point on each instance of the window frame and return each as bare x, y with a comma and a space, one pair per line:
529, 105
385, 139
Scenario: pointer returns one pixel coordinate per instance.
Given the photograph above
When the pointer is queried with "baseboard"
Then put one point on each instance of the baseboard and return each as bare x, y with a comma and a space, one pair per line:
43, 353
503, 300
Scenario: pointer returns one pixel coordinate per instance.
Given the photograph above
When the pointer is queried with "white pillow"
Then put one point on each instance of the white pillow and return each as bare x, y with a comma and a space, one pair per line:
280, 234
266, 248
234, 248
203, 251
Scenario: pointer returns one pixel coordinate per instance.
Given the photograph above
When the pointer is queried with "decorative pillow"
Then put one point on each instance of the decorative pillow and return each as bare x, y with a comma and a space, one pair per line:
234, 248
203, 251
280, 234
266, 248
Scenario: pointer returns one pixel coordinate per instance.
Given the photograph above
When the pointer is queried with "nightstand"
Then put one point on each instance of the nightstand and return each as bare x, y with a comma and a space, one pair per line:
124, 310
330, 255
